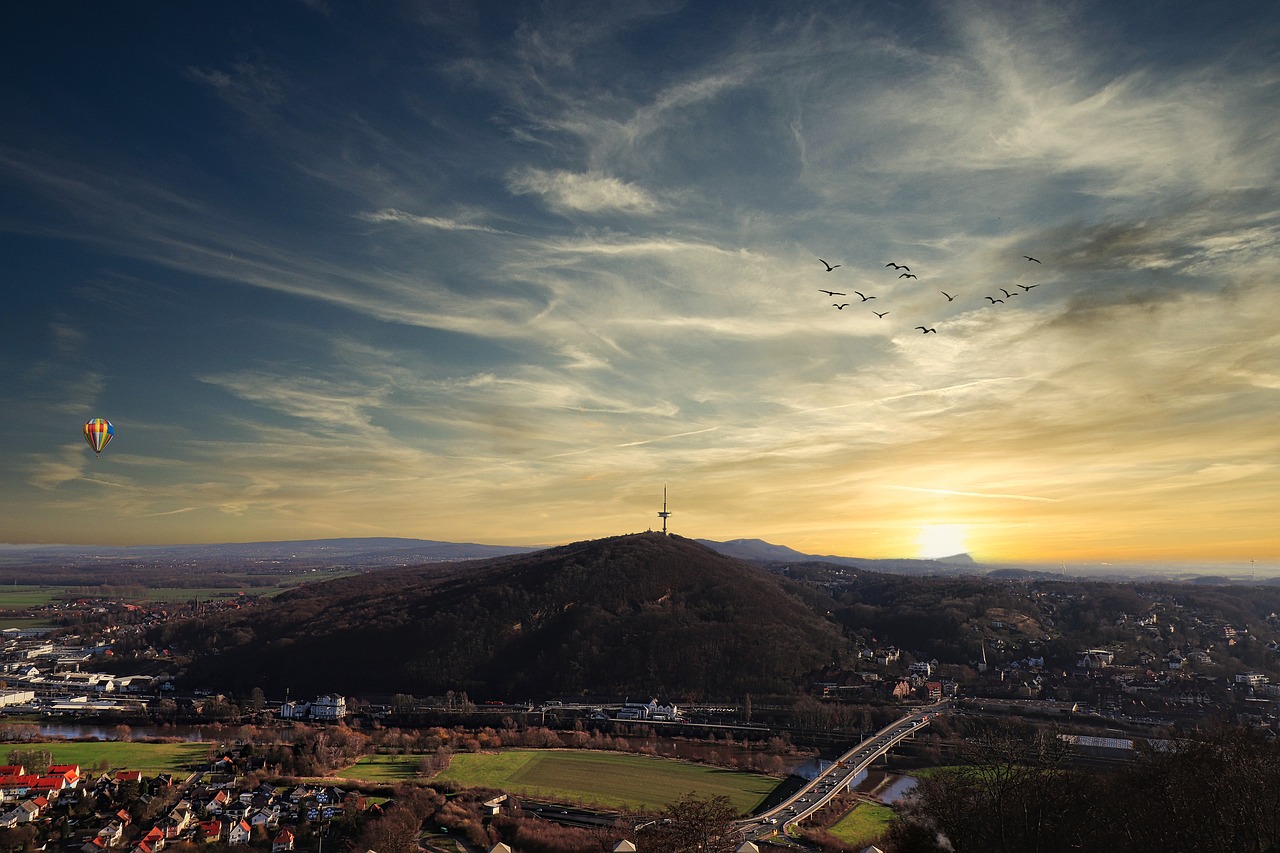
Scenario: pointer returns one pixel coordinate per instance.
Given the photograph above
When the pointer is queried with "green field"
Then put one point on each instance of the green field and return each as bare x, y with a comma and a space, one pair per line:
607, 779
384, 768
863, 825
23, 623
150, 758
25, 597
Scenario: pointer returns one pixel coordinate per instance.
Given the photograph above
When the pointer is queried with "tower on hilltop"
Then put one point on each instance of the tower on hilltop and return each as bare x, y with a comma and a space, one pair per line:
664, 515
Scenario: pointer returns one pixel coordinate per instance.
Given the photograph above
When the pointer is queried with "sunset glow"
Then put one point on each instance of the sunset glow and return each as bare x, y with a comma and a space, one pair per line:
498, 277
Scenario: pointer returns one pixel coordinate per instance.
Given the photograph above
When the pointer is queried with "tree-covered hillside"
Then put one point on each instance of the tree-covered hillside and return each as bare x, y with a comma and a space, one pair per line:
630, 615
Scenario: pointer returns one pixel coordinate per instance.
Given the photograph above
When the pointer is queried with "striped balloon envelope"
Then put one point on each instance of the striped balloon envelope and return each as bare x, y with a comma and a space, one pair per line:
98, 433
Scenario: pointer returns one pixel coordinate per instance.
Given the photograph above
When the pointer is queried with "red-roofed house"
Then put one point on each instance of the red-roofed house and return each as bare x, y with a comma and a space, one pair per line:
71, 771
211, 831
154, 838
50, 785
16, 787
238, 832
282, 841
128, 776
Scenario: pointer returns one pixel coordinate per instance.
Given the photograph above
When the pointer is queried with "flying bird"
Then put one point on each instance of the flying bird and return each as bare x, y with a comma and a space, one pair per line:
1007, 293
864, 298
841, 306
898, 266
1028, 286
880, 314
829, 267
1028, 257
906, 275
950, 298
925, 331
830, 292
994, 300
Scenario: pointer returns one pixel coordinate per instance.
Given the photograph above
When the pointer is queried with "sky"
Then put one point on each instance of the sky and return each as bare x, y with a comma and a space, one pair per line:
501, 272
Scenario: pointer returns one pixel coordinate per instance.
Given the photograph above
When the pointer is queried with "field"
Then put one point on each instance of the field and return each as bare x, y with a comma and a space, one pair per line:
863, 825
150, 758
606, 779
384, 768
22, 623
25, 597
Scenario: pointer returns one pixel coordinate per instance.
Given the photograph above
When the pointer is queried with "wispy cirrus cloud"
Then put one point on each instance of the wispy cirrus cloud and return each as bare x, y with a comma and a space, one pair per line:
436, 222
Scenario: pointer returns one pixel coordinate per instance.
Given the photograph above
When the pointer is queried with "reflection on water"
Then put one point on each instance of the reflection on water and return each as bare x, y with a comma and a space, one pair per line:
896, 789
192, 734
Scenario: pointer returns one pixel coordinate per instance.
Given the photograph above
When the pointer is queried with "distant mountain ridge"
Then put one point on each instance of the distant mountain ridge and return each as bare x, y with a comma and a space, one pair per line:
349, 551
400, 551
759, 551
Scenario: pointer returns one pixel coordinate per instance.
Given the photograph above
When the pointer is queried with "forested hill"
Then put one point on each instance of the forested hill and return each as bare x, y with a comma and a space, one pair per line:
631, 615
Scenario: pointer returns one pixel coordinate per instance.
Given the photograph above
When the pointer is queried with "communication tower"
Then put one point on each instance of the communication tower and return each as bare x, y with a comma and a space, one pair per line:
664, 515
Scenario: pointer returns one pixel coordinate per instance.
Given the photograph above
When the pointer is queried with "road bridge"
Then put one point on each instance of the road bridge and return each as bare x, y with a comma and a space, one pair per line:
842, 775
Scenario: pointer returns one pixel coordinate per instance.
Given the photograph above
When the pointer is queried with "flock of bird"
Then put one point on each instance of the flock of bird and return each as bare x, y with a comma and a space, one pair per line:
904, 271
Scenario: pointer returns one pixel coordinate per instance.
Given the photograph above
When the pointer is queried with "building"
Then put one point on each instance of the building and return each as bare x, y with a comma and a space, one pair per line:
328, 708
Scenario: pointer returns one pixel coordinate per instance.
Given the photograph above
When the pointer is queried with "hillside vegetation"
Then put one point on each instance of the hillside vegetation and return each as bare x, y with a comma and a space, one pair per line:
631, 615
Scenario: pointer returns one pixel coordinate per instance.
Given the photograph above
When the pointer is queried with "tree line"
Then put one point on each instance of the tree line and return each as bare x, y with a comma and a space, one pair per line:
1018, 793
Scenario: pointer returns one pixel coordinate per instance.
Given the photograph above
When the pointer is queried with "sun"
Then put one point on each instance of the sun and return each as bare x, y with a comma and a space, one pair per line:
941, 540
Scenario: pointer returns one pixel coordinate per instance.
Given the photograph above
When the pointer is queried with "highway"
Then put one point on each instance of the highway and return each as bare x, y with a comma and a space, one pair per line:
841, 775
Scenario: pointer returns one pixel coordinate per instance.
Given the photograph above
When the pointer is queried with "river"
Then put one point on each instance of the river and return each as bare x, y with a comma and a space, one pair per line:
71, 731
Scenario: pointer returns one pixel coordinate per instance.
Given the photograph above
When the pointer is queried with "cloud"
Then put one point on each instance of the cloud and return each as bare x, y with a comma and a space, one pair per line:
49, 471
441, 223
589, 193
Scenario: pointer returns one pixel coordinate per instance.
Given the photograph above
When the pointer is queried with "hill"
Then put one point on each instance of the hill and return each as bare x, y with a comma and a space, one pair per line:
630, 615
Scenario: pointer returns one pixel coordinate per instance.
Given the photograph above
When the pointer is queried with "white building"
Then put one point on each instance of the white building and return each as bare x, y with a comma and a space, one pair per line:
328, 708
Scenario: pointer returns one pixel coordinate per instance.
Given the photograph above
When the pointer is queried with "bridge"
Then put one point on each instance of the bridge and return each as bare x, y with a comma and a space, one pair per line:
841, 775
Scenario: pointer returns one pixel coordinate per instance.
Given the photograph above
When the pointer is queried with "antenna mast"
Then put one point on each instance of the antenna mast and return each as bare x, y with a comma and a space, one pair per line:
664, 515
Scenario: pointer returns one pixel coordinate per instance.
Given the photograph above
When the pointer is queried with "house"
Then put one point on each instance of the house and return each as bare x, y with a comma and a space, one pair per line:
216, 803
71, 772
112, 835
327, 708
283, 841
210, 831
624, 846
500, 848
154, 839
238, 832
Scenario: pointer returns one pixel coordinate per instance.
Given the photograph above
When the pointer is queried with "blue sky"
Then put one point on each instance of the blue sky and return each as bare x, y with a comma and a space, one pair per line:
496, 272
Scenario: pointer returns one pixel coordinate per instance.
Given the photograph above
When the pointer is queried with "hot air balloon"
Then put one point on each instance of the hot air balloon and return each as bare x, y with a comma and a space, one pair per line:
98, 432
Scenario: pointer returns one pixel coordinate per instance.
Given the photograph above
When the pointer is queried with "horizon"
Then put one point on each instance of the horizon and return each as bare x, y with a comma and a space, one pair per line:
505, 268
1090, 570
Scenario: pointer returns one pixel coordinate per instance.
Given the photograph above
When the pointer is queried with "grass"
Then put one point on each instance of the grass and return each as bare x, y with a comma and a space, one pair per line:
606, 779
150, 758
23, 622
25, 597
384, 768
865, 823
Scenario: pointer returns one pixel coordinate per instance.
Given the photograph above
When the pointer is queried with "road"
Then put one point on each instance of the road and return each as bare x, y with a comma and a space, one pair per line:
840, 776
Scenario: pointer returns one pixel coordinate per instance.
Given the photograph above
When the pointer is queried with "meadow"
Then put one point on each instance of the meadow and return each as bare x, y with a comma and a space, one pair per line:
604, 779
151, 758
864, 824
25, 596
